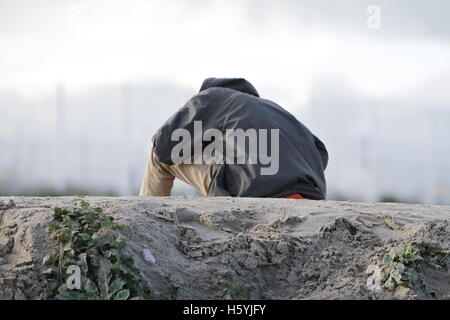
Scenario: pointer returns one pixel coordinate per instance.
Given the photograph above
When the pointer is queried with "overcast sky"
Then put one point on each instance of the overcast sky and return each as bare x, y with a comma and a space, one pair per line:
284, 47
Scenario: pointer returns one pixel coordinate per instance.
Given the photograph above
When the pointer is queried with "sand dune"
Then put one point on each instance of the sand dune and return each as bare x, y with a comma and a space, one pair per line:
236, 248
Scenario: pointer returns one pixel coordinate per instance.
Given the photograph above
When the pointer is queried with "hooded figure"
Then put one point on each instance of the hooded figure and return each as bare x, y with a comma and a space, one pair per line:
290, 160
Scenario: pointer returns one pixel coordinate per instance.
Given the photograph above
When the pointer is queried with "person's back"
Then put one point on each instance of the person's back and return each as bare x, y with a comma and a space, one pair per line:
233, 143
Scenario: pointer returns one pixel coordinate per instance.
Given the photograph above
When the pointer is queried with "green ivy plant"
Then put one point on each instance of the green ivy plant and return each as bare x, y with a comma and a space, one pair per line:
90, 240
402, 265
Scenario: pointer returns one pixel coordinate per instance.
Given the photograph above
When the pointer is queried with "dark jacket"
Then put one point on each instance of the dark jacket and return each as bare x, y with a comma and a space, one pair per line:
235, 104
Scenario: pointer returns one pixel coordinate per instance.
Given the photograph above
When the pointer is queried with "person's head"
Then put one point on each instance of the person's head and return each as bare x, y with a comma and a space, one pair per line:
239, 84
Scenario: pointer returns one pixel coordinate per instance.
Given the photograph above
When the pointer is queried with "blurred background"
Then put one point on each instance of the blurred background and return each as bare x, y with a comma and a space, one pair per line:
85, 84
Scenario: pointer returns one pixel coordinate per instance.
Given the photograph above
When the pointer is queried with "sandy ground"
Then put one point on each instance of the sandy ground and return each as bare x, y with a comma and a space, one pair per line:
236, 248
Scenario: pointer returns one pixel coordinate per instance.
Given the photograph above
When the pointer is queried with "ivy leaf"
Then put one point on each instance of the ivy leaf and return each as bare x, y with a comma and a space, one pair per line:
49, 259
49, 271
122, 295
117, 285
68, 246
412, 276
94, 260
103, 277
66, 295
84, 204
90, 288
397, 276
63, 288
128, 270
52, 285
390, 284
58, 213
84, 236
388, 259
107, 224
83, 262
400, 267
121, 242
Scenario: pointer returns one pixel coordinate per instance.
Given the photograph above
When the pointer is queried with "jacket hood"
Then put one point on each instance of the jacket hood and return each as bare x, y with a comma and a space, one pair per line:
238, 84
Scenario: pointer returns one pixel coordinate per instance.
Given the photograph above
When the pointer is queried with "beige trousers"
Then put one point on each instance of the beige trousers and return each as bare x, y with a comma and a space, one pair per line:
158, 177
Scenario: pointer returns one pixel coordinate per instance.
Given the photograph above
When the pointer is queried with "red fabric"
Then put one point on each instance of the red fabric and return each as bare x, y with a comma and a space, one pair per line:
296, 196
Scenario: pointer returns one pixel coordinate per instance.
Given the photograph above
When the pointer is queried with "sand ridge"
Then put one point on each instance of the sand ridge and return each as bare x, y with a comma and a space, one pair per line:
236, 248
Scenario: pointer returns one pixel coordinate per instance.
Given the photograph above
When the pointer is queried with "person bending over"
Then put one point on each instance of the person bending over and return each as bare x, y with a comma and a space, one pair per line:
227, 141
